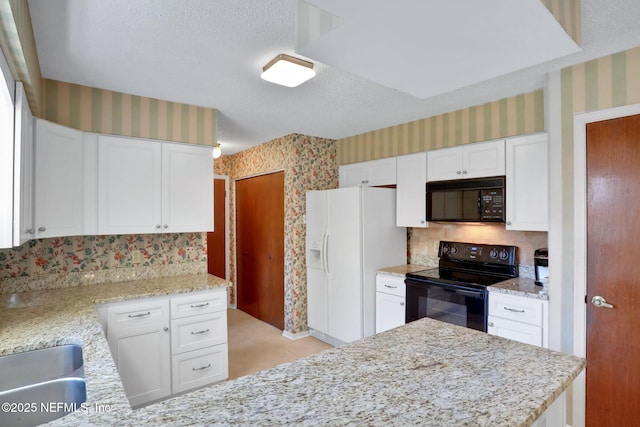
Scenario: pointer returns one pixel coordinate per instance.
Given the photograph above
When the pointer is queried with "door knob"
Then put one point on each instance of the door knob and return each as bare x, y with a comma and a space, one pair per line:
598, 301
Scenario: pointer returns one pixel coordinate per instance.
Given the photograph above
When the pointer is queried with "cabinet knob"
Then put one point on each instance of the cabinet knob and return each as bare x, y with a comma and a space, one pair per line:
459, 172
464, 172
422, 221
165, 226
31, 231
42, 229
490, 324
158, 226
401, 303
166, 329
508, 222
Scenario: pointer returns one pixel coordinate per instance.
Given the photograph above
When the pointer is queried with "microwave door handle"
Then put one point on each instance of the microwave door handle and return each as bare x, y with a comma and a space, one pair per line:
480, 209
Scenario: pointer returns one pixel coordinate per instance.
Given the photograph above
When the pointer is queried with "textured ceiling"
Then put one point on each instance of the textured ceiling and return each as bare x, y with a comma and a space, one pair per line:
210, 53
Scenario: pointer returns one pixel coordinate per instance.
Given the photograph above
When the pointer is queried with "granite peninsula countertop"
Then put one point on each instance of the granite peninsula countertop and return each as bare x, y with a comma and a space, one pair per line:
426, 372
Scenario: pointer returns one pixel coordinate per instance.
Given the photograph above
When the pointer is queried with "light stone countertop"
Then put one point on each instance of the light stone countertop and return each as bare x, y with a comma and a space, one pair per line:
427, 372
520, 286
401, 270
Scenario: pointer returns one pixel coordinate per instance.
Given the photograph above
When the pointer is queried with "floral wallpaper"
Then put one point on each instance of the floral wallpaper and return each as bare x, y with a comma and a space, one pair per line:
79, 254
309, 163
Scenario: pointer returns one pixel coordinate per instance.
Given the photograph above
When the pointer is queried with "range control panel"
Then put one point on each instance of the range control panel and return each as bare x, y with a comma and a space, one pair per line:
482, 253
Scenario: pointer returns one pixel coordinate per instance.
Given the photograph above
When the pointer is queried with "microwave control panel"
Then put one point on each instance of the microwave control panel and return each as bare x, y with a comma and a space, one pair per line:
492, 204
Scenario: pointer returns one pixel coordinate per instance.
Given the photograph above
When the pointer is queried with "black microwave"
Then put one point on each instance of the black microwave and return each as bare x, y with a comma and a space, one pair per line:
466, 200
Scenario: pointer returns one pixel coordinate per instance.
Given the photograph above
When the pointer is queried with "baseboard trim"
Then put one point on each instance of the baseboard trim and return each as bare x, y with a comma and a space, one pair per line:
296, 336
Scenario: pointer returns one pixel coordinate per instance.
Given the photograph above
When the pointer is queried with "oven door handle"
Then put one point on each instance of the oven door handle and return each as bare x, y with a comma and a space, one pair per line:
468, 293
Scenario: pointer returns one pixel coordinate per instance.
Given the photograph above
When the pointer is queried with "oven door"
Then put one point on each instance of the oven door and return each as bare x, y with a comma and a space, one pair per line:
449, 303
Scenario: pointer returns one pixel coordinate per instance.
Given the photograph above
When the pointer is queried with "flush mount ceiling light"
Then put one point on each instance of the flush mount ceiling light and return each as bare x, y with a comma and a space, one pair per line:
287, 71
217, 151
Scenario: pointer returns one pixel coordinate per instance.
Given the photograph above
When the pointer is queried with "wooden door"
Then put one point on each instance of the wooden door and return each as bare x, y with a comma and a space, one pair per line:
216, 241
613, 251
260, 247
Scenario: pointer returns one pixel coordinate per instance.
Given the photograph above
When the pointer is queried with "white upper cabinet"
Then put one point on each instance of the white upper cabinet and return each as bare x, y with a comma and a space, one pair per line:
187, 187
147, 186
129, 185
369, 174
23, 219
59, 180
411, 207
527, 186
467, 161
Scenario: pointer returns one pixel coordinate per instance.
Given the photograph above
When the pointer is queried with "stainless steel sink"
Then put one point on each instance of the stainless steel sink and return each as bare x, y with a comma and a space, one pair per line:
41, 385
37, 366
42, 402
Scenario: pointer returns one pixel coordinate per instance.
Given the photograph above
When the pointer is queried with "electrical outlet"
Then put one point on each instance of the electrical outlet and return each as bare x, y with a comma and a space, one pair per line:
137, 257
192, 253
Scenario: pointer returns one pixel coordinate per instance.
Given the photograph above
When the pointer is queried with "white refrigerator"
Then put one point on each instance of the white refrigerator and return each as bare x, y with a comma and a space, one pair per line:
351, 233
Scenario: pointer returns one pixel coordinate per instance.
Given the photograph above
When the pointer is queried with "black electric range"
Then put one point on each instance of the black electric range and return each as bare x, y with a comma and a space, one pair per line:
456, 291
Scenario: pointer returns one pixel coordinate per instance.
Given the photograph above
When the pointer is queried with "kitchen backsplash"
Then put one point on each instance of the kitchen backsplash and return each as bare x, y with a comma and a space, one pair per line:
423, 242
79, 260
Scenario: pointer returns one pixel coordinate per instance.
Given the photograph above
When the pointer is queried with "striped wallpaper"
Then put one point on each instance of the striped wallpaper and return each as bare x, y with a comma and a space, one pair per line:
517, 115
19, 47
568, 14
104, 111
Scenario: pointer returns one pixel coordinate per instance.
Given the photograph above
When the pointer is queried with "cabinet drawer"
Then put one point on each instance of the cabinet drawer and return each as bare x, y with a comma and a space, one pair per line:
521, 309
390, 285
146, 312
199, 368
196, 332
201, 303
517, 331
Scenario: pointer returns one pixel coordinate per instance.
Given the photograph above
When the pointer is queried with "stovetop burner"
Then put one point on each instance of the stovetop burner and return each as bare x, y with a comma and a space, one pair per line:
454, 277
473, 265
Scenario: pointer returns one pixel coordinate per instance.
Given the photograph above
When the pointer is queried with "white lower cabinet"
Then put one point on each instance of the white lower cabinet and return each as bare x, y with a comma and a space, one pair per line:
390, 302
168, 345
518, 318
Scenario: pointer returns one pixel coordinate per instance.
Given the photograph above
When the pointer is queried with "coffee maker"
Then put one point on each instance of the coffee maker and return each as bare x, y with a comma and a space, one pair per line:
541, 265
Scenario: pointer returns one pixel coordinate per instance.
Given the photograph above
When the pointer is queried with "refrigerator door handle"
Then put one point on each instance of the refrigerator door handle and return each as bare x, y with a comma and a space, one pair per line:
325, 252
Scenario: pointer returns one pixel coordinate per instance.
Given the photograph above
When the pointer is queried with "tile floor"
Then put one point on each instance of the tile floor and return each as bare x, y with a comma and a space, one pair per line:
255, 345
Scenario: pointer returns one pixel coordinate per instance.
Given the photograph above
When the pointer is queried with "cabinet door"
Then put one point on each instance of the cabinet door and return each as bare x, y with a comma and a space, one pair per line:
483, 159
187, 188
129, 185
411, 202
527, 183
142, 356
381, 172
517, 331
353, 175
23, 225
390, 311
444, 164
369, 174
59, 180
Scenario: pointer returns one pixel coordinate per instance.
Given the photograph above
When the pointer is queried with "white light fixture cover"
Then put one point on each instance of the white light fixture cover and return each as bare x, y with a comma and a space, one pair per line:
287, 71
217, 151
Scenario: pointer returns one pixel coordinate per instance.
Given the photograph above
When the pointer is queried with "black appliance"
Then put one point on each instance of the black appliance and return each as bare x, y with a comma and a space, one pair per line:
541, 265
466, 200
456, 291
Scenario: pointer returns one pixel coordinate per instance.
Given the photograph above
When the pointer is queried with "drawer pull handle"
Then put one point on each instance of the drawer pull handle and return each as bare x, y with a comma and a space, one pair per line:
135, 316
200, 332
202, 368
199, 305
390, 287
513, 310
